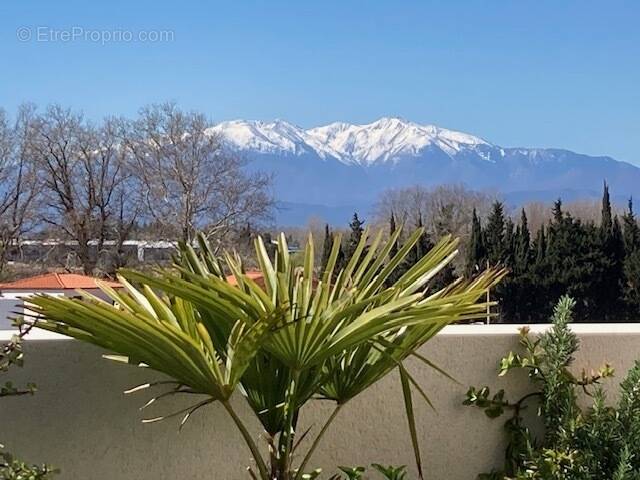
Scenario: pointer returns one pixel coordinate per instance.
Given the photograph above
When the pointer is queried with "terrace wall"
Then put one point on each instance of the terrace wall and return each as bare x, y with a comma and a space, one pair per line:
80, 421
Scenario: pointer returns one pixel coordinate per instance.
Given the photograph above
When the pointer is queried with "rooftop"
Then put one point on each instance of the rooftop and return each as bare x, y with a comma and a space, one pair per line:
254, 275
56, 281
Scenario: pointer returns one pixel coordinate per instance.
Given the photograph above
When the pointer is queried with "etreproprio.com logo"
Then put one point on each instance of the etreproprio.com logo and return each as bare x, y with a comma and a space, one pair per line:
72, 34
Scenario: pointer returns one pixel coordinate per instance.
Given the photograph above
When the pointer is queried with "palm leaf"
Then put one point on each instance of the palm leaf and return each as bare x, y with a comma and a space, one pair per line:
283, 343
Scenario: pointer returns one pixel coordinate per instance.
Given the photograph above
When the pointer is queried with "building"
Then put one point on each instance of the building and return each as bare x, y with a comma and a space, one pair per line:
12, 294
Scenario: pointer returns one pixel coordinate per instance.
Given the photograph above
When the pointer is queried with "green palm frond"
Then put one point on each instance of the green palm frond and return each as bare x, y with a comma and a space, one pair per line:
282, 341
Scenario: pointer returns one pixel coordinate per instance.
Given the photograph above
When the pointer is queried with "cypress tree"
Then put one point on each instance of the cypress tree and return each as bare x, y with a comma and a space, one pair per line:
608, 293
392, 230
424, 243
631, 265
508, 255
538, 277
326, 246
630, 230
617, 259
509, 291
476, 251
541, 246
569, 256
495, 235
606, 222
523, 245
632, 285
617, 241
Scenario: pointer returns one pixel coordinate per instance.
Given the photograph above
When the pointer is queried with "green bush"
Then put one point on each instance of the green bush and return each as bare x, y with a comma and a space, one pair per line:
599, 442
14, 469
388, 472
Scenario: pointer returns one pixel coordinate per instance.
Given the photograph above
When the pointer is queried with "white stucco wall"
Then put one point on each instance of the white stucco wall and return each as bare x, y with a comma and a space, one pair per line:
12, 301
80, 421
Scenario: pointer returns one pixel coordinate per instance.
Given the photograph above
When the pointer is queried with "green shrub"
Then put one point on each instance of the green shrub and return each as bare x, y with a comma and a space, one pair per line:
14, 469
599, 442
388, 472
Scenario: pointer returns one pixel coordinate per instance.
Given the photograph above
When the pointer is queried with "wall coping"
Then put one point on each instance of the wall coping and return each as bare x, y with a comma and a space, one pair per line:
453, 330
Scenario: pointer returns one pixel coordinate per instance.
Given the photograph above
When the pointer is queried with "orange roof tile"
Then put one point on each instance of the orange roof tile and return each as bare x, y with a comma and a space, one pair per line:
56, 281
254, 275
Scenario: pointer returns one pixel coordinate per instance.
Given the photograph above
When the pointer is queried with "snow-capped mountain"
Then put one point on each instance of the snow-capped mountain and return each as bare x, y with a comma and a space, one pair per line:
331, 170
387, 139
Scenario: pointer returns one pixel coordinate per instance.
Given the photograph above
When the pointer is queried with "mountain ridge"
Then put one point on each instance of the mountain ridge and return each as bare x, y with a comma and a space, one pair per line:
384, 139
351, 164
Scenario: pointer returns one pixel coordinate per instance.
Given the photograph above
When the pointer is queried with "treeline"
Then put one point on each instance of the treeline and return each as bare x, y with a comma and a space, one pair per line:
594, 258
597, 263
95, 185
350, 241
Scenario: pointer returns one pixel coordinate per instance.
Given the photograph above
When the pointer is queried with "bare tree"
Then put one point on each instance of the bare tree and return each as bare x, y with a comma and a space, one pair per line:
445, 209
442, 209
18, 179
190, 182
84, 180
587, 210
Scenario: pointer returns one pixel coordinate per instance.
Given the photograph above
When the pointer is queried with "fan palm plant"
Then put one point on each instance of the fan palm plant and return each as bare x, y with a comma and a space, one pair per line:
282, 343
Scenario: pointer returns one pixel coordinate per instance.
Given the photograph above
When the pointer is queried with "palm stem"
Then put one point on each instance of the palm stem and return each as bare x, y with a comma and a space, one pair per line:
316, 441
262, 468
289, 433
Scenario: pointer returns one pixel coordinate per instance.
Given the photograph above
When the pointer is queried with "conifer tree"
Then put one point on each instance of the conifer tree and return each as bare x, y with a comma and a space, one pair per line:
541, 246
357, 227
508, 254
424, 243
447, 275
392, 230
533, 304
608, 294
476, 252
631, 231
631, 266
631, 288
326, 246
557, 211
346, 252
573, 263
523, 245
606, 222
495, 235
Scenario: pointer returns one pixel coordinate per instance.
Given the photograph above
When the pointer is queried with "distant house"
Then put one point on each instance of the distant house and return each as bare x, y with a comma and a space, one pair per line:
12, 294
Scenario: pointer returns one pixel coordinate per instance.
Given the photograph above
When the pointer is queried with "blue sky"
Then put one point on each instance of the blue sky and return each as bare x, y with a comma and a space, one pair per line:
518, 73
